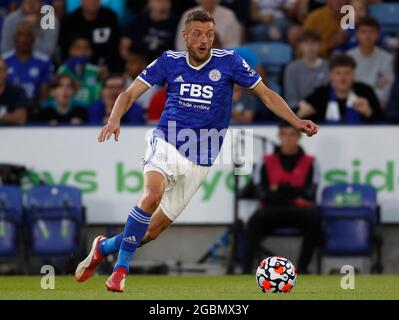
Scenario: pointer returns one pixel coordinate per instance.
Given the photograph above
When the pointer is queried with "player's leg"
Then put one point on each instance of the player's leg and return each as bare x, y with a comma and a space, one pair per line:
102, 246
154, 185
159, 222
136, 227
88, 266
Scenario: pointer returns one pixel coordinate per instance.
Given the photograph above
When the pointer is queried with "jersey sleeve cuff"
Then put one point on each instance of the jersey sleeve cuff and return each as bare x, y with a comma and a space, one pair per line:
256, 83
143, 81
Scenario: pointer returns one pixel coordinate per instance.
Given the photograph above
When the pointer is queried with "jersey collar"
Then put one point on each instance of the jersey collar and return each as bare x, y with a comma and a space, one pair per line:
201, 65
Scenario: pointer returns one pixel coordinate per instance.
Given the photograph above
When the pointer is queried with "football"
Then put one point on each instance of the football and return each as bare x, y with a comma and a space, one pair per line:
276, 274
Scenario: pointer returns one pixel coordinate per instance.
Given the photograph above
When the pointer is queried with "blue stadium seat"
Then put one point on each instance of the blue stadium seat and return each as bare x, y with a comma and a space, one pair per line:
54, 216
271, 54
11, 216
387, 15
350, 214
274, 56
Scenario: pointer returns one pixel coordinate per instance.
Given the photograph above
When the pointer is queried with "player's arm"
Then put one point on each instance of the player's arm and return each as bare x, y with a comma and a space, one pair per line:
279, 107
122, 104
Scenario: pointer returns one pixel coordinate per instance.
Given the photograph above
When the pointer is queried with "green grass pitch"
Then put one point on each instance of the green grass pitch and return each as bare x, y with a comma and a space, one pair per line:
198, 288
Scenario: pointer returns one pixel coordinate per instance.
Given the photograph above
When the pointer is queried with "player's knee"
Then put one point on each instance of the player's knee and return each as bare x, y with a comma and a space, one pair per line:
150, 200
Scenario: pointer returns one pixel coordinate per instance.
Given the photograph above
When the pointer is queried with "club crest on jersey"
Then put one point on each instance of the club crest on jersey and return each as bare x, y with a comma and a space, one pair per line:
215, 75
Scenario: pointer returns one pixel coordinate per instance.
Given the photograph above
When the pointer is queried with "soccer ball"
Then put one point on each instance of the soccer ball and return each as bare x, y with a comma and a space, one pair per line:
276, 274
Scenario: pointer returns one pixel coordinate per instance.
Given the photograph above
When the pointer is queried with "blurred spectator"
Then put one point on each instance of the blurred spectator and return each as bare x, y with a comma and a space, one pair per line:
392, 108
7, 6
373, 65
304, 7
156, 106
244, 106
227, 26
99, 112
13, 100
385, 40
273, 19
304, 75
46, 40
179, 7
84, 74
59, 8
361, 10
63, 111
343, 100
135, 63
241, 9
287, 190
153, 30
26, 68
98, 24
327, 22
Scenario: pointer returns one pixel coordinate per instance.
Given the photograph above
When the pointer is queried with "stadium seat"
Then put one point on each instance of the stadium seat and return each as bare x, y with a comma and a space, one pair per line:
11, 215
387, 15
273, 56
54, 218
350, 214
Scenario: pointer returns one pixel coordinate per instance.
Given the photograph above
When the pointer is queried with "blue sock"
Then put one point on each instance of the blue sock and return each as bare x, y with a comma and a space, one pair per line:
110, 245
135, 229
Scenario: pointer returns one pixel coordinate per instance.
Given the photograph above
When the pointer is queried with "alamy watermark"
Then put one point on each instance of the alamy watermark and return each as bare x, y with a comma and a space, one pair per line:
348, 280
47, 282
47, 22
203, 146
348, 20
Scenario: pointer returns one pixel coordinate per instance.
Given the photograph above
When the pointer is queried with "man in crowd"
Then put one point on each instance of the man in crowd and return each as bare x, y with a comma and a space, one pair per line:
46, 39
13, 100
305, 74
287, 190
98, 24
27, 68
342, 100
374, 66
153, 30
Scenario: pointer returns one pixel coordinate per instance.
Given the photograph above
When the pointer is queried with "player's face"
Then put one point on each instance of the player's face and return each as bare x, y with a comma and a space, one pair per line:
199, 38
342, 78
289, 138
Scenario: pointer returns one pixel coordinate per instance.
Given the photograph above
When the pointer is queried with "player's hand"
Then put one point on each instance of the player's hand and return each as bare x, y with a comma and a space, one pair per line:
308, 127
112, 127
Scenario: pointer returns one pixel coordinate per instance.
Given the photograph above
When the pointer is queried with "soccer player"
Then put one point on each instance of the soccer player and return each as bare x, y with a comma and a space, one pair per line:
199, 97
